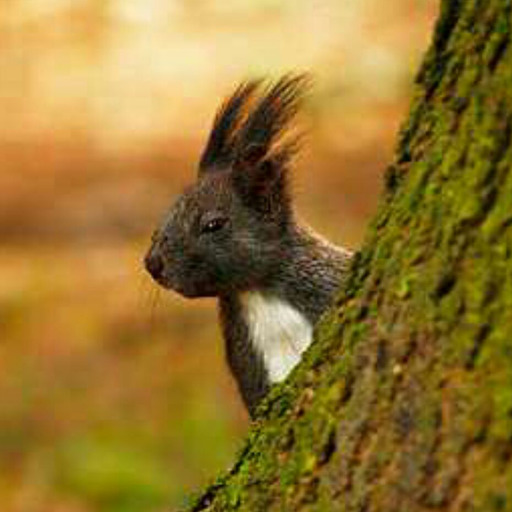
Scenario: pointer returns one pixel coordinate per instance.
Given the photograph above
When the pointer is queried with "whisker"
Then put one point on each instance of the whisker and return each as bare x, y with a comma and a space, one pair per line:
155, 304
149, 298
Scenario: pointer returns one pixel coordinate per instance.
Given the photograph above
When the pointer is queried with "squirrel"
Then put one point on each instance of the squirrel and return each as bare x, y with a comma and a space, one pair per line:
234, 235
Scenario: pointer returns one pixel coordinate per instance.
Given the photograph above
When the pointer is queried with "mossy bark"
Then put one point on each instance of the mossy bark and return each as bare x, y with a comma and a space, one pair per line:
404, 402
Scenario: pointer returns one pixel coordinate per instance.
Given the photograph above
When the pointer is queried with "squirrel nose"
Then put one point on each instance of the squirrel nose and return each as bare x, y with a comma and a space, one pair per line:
154, 264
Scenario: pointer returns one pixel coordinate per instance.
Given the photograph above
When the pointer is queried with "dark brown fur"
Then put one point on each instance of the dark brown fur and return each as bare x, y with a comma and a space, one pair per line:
235, 231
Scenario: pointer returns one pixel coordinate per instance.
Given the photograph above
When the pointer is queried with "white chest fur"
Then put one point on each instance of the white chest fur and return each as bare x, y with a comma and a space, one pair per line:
278, 332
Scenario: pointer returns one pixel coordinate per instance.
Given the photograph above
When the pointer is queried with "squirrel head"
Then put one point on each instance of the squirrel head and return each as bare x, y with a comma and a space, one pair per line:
230, 230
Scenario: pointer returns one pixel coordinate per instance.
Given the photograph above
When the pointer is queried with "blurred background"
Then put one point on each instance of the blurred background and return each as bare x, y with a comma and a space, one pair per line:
114, 396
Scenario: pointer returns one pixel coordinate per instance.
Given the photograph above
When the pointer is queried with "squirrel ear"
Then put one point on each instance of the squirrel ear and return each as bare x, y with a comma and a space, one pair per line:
259, 179
251, 156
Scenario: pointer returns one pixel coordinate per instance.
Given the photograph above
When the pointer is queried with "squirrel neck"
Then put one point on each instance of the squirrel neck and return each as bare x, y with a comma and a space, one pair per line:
308, 273
266, 329
311, 273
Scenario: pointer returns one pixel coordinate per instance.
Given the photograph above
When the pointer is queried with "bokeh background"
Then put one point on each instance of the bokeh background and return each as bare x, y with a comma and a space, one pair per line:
114, 396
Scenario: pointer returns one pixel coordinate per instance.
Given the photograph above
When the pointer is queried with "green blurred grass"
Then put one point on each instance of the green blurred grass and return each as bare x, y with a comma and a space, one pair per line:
108, 398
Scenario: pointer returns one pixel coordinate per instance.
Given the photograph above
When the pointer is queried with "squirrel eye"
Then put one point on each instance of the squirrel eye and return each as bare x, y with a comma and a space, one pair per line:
214, 225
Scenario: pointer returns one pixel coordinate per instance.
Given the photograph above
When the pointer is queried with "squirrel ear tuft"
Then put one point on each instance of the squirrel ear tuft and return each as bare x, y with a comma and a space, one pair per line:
254, 122
220, 148
263, 145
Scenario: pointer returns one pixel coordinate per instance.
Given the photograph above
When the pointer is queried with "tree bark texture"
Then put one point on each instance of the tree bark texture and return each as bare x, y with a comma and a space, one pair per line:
404, 401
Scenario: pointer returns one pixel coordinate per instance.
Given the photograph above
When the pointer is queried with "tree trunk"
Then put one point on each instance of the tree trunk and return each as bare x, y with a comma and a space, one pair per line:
404, 402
